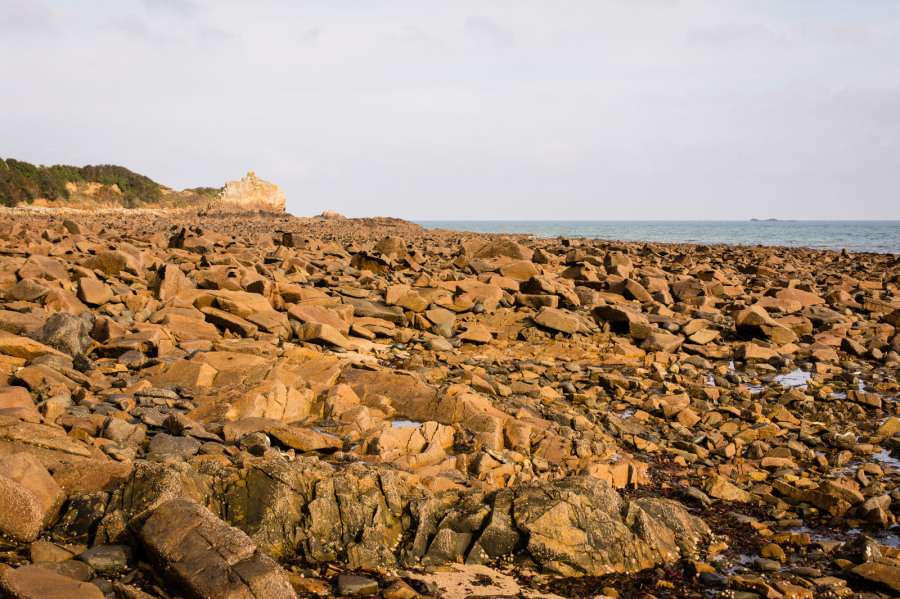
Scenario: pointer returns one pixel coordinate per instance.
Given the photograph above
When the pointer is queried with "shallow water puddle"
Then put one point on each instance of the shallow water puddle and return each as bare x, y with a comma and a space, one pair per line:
628, 413
405, 423
886, 459
797, 378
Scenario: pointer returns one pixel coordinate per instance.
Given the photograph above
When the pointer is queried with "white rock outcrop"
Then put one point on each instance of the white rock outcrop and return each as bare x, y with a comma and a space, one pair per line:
251, 193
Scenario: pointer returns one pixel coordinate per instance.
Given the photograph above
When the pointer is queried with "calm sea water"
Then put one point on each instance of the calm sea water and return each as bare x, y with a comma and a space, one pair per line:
855, 236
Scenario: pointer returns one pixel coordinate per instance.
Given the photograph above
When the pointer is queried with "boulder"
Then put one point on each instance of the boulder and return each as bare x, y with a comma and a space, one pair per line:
29, 497
169, 281
93, 292
558, 320
204, 557
755, 323
580, 525
719, 487
319, 315
503, 248
66, 333
23, 347
43, 267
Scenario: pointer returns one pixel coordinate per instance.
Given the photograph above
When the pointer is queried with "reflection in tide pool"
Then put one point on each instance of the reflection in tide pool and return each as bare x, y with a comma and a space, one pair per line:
797, 378
886, 459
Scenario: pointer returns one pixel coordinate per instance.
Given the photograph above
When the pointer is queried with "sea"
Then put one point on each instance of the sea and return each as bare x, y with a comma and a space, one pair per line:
881, 236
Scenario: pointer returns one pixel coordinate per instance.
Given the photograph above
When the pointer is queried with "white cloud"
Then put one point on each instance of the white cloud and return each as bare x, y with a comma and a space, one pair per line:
734, 34
19, 15
487, 31
418, 108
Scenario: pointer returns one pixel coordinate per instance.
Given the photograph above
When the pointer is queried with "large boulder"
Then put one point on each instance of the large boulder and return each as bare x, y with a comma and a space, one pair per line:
204, 557
558, 320
29, 497
502, 248
580, 525
755, 323
66, 333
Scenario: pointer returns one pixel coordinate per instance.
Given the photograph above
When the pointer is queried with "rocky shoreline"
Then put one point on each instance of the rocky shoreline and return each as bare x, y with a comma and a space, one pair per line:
267, 406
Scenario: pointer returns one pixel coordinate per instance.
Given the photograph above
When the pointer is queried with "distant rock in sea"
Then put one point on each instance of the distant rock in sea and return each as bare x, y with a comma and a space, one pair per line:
250, 194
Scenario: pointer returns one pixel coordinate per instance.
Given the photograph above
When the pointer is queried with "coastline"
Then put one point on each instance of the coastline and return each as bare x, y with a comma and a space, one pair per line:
401, 400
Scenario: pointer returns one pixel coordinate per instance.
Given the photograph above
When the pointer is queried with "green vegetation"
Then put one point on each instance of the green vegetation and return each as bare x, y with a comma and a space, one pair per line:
22, 182
209, 192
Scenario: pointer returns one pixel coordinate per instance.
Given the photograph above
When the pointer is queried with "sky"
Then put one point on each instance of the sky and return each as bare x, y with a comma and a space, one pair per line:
465, 110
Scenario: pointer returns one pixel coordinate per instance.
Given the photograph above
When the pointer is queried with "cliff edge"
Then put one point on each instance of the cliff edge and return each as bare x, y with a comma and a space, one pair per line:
250, 193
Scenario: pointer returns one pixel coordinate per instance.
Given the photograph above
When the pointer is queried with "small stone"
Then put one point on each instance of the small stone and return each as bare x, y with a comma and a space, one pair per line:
713, 579
43, 551
767, 565
33, 582
773, 551
350, 584
107, 560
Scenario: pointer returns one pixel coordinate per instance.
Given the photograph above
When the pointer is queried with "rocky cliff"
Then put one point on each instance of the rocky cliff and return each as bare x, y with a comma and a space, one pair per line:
250, 193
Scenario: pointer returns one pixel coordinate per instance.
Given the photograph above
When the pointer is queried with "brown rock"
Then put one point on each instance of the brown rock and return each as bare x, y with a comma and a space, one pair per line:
804, 298
890, 427
33, 582
323, 334
29, 497
303, 439
558, 320
319, 315
23, 347
887, 574
42, 267
230, 322
93, 292
520, 270
499, 248
17, 401
204, 557
755, 323
476, 333
170, 281
720, 488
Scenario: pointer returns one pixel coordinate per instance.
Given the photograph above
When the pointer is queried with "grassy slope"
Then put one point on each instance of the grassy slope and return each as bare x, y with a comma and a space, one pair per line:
103, 185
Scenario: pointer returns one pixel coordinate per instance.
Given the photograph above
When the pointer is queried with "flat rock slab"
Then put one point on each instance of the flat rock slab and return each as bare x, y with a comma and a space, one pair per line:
207, 559
33, 582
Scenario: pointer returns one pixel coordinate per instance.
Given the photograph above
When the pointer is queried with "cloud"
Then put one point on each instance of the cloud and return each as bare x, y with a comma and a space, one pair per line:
487, 31
130, 25
412, 36
730, 35
18, 15
310, 35
853, 34
183, 7
215, 36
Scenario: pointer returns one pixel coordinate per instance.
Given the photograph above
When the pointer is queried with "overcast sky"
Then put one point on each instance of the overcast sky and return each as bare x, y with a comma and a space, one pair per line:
456, 109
